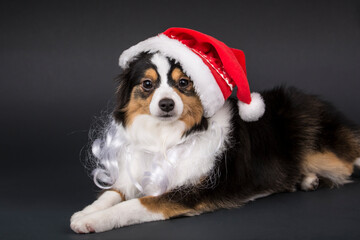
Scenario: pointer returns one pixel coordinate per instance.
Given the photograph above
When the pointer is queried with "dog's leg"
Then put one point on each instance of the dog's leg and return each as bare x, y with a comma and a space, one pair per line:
122, 214
130, 212
327, 165
108, 199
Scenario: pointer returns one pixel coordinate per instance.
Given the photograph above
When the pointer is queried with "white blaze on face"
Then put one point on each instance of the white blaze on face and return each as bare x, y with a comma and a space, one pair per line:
164, 91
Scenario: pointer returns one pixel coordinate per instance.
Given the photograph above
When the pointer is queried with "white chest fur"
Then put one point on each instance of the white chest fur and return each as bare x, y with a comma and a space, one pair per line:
154, 158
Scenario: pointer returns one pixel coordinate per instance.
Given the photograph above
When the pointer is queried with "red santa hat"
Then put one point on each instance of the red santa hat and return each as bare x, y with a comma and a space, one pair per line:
214, 68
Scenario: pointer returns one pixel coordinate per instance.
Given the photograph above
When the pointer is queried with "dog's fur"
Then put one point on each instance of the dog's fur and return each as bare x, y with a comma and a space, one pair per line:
297, 142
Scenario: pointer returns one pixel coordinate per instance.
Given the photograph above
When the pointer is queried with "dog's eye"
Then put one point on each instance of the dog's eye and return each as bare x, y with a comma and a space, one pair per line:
183, 83
147, 85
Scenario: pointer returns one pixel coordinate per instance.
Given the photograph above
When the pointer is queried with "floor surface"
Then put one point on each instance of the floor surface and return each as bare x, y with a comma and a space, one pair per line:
44, 212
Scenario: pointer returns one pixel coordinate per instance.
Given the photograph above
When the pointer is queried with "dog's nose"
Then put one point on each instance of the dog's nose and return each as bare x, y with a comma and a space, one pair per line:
166, 104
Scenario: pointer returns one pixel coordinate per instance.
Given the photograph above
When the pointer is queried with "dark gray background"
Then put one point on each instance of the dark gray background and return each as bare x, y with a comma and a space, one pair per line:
57, 62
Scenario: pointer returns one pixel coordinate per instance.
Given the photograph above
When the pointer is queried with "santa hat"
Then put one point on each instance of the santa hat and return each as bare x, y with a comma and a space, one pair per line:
214, 68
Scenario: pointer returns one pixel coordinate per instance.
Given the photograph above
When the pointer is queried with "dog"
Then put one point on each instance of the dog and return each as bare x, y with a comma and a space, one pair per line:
172, 160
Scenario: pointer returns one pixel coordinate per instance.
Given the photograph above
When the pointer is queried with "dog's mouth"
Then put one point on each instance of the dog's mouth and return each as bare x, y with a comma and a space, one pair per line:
166, 117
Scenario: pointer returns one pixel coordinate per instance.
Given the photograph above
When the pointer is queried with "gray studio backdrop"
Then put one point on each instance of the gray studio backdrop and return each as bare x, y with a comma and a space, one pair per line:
58, 60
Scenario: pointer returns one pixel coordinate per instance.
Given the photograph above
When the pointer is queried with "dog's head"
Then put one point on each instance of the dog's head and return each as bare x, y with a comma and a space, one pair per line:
157, 86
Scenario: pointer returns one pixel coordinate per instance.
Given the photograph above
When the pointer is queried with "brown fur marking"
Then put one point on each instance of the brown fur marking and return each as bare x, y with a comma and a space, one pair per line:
151, 74
328, 165
170, 208
177, 74
193, 110
136, 106
167, 208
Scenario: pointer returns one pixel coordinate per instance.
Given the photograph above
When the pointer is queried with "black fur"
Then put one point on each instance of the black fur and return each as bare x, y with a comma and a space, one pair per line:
273, 154
265, 156
173, 83
202, 126
129, 78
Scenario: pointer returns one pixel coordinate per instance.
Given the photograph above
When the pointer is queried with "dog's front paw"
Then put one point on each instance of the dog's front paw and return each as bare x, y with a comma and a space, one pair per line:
94, 222
79, 226
78, 214
86, 211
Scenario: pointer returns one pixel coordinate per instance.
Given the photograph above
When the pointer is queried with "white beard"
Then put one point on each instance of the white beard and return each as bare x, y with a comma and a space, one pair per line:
154, 157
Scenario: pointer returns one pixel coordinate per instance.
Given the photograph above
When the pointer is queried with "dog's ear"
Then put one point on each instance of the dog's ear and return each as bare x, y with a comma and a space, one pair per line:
123, 94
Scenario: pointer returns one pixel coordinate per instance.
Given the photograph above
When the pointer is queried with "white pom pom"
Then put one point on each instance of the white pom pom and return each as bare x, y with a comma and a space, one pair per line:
253, 111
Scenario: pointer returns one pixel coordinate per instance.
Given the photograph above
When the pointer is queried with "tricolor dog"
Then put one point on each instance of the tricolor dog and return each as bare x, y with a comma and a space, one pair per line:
177, 144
